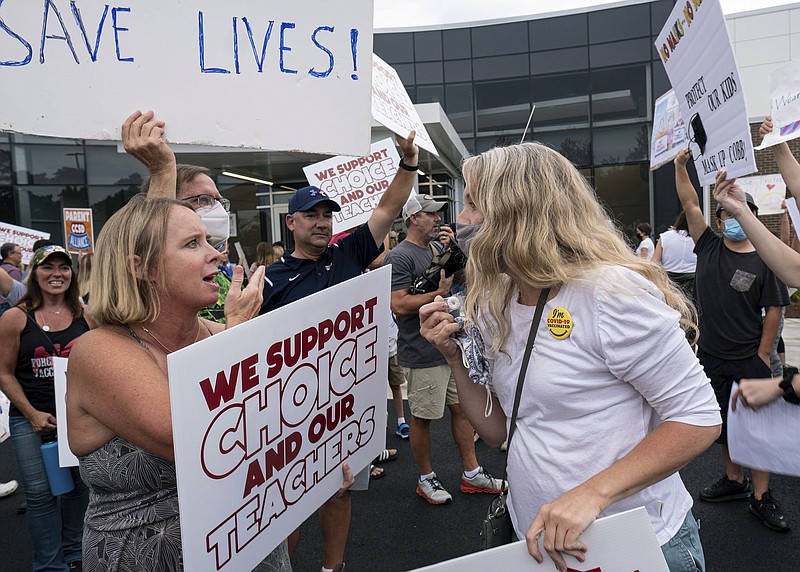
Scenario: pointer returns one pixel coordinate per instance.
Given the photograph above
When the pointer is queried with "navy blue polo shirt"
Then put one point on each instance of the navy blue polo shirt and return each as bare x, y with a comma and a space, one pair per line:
290, 279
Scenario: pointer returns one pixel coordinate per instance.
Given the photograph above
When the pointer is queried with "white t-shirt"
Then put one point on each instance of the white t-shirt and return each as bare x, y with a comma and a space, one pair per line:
648, 244
591, 397
677, 252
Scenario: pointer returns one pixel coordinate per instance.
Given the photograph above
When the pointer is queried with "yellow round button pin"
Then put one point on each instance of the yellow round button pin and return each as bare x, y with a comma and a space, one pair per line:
559, 323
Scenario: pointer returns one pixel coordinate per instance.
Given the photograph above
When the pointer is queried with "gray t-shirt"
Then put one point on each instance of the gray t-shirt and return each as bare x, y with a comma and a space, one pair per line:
409, 261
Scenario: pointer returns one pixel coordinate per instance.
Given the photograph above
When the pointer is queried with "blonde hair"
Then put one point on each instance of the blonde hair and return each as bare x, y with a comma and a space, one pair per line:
543, 225
84, 274
130, 247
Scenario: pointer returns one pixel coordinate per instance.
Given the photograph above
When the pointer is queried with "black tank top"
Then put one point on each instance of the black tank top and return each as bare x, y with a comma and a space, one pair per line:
34, 369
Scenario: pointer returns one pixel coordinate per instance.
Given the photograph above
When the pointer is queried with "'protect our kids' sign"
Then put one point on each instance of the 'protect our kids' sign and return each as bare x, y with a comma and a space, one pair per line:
697, 55
239, 73
356, 183
265, 414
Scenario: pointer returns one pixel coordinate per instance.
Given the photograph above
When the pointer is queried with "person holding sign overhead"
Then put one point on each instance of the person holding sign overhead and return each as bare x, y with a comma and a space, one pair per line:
613, 402
732, 286
154, 270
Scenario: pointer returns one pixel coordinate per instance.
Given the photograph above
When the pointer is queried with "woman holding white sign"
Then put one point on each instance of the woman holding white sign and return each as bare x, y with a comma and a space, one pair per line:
154, 270
614, 401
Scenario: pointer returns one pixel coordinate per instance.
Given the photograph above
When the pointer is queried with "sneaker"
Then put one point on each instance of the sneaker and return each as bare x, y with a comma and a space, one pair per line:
727, 490
7, 488
431, 490
339, 567
483, 482
769, 511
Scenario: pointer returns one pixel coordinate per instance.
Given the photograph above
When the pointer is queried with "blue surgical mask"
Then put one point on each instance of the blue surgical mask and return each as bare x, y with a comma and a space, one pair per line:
733, 230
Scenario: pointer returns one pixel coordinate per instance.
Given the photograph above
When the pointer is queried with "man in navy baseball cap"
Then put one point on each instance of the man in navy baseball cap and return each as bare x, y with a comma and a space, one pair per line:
308, 197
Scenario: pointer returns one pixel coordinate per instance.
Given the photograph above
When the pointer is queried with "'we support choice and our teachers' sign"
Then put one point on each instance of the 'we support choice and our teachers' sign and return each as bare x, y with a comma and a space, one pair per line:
264, 415
269, 75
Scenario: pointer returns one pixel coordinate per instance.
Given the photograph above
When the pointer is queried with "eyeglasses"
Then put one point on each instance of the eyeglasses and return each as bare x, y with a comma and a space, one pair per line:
208, 201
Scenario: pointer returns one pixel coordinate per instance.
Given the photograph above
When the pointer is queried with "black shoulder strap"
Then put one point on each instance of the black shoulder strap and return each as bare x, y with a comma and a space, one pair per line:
523, 370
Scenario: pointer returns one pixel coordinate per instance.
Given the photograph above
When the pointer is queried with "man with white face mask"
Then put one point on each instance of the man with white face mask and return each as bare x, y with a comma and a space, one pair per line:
732, 286
142, 136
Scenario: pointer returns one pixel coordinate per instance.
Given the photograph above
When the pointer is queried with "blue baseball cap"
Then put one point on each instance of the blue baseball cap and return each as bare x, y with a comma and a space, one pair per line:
305, 199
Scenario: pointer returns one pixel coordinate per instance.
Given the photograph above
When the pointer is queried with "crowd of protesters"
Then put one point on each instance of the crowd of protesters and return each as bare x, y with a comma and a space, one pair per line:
542, 267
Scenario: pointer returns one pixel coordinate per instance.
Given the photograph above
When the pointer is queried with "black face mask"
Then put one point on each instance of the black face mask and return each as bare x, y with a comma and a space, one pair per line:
464, 235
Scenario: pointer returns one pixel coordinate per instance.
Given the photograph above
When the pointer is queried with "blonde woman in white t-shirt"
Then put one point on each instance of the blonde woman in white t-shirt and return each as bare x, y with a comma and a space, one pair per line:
614, 401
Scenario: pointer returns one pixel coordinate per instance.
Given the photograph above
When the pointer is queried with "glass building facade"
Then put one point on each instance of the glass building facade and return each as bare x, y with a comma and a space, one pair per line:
593, 77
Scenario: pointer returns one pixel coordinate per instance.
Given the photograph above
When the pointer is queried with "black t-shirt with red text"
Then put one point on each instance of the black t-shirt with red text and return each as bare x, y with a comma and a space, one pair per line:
34, 369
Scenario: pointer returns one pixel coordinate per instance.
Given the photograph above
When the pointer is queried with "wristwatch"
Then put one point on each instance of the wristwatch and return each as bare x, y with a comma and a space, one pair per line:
786, 385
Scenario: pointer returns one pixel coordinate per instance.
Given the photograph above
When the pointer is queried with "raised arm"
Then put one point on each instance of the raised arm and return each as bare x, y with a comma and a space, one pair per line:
143, 138
782, 260
688, 197
6, 281
658, 252
787, 164
392, 201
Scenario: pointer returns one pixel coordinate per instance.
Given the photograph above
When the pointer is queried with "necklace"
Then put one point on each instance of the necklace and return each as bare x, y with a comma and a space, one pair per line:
46, 326
160, 343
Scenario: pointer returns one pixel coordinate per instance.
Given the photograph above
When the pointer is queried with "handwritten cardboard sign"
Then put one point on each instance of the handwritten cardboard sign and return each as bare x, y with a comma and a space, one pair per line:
669, 131
22, 237
79, 230
624, 542
356, 183
392, 107
264, 415
784, 85
767, 190
697, 55
262, 75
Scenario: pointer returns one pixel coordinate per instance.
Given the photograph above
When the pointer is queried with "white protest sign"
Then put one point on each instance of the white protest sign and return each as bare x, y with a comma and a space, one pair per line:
23, 237
697, 55
264, 415
784, 85
794, 213
766, 439
392, 107
356, 183
767, 190
263, 75
669, 131
623, 542
5, 405
66, 458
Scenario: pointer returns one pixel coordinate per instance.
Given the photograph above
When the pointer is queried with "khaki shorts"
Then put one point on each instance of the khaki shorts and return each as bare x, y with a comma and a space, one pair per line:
396, 377
429, 390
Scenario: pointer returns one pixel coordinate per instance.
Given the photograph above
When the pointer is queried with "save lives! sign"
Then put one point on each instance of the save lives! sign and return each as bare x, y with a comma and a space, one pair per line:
265, 414
284, 71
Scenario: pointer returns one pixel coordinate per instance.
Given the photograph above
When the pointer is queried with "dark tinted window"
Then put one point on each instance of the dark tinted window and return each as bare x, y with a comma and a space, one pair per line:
619, 23
427, 46
617, 53
561, 99
659, 12
569, 59
5, 165
429, 72
625, 191
619, 93
50, 164
502, 105
458, 70
500, 39
500, 66
621, 144
393, 48
574, 144
456, 44
458, 100
406, 73
105, 166
562, 32
430, 93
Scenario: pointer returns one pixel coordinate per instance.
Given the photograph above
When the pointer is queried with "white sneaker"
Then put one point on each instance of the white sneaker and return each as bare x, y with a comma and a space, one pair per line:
7, 488
482, 482
431, 490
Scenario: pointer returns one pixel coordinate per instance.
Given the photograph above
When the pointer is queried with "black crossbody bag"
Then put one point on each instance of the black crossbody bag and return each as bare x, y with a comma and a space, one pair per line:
497, 529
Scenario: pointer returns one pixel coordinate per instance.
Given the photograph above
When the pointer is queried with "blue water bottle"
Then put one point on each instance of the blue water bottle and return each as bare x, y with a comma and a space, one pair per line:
60, 478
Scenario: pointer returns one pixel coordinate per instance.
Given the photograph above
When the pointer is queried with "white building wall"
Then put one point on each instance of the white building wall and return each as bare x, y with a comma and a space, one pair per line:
762, 41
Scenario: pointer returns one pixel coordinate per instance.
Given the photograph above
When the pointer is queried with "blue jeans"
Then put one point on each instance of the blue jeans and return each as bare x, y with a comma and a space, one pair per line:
55, 524
683, 552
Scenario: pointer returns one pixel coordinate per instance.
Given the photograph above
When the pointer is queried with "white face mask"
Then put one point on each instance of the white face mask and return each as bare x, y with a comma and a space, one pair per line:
215, 218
